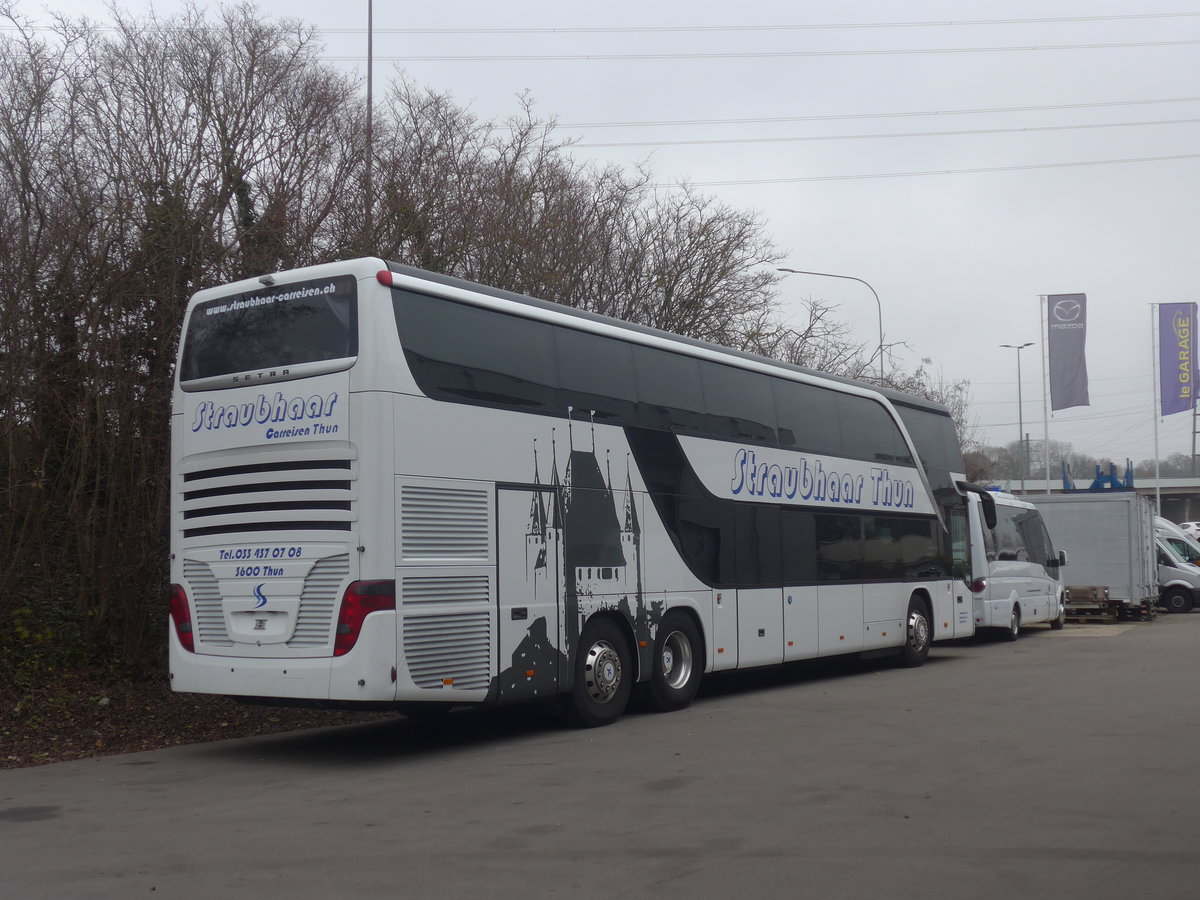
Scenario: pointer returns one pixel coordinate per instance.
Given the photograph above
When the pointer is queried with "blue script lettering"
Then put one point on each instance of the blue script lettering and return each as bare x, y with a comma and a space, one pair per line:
210, 416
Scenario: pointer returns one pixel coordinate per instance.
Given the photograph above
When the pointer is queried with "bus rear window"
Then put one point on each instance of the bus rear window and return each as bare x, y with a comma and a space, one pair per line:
309, 321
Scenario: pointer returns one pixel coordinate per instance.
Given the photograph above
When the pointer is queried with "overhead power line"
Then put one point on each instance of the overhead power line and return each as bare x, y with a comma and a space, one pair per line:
896, 134
977, 171
760, 54
766, 120
818, 26
659, 29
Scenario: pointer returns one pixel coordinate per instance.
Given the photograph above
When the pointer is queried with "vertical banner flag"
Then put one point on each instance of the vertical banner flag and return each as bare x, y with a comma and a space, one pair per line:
1066, 329
1177, 356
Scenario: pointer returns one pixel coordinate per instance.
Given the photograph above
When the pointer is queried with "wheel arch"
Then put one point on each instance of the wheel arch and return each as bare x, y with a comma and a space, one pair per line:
691, 613
636, 650
922, 594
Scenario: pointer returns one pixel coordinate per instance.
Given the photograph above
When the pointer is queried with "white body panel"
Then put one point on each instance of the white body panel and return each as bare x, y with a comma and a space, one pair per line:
1016, 572
1109, 539
289, 489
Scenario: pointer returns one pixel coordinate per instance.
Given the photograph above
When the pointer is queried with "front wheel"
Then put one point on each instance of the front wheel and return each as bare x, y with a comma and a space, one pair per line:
1014, 625
1177, 600
918, 636
603, 675
678, 663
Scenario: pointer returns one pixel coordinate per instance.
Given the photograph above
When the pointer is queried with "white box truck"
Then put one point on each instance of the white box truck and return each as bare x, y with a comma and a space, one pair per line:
1109, 538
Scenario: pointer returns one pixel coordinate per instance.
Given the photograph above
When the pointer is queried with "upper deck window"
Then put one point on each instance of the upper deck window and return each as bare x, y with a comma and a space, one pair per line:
286, 325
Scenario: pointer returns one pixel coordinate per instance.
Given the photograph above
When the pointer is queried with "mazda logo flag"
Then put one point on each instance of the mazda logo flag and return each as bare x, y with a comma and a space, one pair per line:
1066, 331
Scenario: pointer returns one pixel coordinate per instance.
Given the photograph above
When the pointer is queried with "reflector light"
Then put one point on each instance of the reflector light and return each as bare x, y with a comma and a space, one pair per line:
181, 615
979, 585
360, 600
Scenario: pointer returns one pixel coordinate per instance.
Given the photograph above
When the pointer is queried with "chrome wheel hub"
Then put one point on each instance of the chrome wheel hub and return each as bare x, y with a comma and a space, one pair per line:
918, 631
602, 671
676, 660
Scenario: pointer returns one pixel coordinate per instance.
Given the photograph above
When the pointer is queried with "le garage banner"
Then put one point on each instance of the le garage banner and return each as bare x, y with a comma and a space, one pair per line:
1177, 356
1066, 331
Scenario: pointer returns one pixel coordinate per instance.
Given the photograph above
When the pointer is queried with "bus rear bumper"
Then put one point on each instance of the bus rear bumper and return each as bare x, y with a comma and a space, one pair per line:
353, 677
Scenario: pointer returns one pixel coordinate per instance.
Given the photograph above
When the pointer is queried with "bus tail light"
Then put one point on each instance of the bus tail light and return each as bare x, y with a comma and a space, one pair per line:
360, 600
979, 585
181, 615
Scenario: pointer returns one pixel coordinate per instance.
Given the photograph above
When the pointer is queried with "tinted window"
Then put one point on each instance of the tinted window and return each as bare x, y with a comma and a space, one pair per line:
839, 547
669, 393
596, 373
1033, 535
799, 550
899, 548
1008, 540
758, 545
934, 437
475, 353
280, 326
738, 403
705, 532
807, 417
870, 433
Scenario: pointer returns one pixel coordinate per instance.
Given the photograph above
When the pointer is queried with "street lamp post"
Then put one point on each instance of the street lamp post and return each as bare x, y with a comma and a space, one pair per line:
878, 305
1020, 409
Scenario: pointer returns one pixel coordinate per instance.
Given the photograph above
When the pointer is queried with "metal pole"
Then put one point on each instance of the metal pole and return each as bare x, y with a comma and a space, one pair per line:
1020, 412
1155, 401
1044, 330
370, 163
878, 305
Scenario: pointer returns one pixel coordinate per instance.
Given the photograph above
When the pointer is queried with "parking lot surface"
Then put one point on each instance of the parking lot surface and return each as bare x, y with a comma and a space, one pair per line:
1062, 765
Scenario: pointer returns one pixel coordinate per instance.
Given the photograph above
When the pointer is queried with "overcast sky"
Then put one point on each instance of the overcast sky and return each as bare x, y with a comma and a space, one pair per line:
959, 171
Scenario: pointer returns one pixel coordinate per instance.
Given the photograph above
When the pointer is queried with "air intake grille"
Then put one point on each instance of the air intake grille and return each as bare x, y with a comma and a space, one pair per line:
443, 522
449, 651
283, 495
206, 598
318, 602
433, 590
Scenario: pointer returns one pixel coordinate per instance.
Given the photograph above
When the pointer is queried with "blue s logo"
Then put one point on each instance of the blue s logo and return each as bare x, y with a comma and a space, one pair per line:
262, 598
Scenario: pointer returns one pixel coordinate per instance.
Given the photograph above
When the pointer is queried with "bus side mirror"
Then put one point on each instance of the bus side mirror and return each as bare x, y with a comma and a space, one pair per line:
1062, 557
986, 501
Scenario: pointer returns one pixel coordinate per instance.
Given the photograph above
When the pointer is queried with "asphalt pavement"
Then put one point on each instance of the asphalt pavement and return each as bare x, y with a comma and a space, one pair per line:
1062, 765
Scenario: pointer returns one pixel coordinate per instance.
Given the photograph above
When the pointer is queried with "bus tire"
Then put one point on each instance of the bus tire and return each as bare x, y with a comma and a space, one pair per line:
678, 663
604, 675
1177, 600
918, 634
1061, 619
1014, 624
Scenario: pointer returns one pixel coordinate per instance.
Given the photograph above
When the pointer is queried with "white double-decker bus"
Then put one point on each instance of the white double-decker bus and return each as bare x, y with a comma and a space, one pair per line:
391, 486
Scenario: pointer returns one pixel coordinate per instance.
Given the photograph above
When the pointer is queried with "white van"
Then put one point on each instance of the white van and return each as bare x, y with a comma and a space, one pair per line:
1014, 569
1184, 545
1178, 576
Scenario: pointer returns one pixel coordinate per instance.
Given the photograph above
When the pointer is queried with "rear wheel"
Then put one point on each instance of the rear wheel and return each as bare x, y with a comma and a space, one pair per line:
1014, 625
603, 675
1058, 623
1177, 600
678, 663
918, 634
